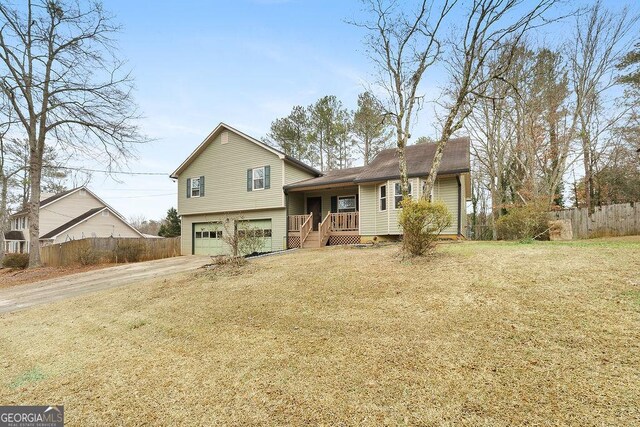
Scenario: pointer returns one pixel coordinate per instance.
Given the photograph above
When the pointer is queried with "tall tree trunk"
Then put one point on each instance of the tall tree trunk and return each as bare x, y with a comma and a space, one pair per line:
402, 159
586, 159
3, 214
35, 177
447, 131
367, 148
495, 209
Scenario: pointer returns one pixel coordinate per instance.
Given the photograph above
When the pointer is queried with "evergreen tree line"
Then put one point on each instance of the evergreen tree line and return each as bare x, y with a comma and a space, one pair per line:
329, 136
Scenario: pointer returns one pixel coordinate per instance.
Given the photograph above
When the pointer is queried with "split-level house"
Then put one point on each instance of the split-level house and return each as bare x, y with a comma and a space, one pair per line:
70, 215
232, 178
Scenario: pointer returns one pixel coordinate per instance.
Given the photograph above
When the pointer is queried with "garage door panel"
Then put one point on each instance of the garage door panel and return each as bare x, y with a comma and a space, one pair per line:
207, 239
261, 227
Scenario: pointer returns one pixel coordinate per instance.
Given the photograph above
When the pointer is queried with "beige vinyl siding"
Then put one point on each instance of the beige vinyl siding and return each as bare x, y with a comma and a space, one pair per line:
373, 221
224, 167
368, 209
65, 209
296, 204
446, 190
277, 217
295, 174
463, 205
98, 226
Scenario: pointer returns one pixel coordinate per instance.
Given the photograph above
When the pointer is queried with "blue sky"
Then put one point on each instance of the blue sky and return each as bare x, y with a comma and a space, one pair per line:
244, 62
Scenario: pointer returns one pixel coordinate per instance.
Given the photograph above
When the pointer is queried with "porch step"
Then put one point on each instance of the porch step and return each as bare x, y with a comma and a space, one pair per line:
312, 240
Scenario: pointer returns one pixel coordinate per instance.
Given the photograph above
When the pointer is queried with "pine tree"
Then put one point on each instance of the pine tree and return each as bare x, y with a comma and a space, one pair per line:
172, 224
370, 128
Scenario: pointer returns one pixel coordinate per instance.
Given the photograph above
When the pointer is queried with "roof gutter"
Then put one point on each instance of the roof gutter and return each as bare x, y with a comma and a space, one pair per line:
413, 175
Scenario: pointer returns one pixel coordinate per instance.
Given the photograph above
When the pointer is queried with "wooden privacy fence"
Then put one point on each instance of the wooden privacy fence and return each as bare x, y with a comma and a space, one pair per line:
108, 249
610, 220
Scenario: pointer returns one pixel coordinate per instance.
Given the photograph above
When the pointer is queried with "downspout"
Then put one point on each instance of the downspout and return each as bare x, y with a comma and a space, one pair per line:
459, 205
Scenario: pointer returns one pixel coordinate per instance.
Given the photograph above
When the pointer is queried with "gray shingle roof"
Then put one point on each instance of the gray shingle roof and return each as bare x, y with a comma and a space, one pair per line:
455, 159
331, 177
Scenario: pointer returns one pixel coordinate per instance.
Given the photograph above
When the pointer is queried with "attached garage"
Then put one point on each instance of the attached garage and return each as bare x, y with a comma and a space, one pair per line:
207, 238
269, 225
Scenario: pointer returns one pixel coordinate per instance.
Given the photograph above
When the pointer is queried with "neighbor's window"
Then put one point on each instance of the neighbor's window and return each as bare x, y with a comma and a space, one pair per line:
346, 203
398, 194
195, 187
383, 197
258, 178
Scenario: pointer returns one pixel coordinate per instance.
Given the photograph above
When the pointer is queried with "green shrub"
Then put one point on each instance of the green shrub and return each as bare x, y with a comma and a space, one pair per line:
524, 222
422, 222
20, 261
129, 252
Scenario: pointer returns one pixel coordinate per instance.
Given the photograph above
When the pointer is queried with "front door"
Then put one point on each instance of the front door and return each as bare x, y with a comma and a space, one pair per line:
314, 205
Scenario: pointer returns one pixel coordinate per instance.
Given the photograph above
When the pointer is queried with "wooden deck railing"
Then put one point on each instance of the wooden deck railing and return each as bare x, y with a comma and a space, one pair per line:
306, 228
346, 221
296, 221
324, 228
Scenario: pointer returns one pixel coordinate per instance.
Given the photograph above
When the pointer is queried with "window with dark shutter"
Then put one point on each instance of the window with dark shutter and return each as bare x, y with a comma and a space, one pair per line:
195, 187
267, 177
258, 178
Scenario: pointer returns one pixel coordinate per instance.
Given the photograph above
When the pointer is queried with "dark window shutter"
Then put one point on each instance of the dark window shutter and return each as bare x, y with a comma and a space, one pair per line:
334, 204
249, 179
188, 187
202, 186
267, 177
357, 202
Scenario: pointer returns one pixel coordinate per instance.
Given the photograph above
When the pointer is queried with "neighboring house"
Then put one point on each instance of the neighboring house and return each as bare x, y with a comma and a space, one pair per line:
70, 215
232, 176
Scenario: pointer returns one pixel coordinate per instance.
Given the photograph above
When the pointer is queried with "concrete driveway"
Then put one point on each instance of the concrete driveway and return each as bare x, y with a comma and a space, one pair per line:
20, 297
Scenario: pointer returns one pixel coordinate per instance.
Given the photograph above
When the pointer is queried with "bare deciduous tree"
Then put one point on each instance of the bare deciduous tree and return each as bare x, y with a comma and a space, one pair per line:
601, 41
403, 46
489, 26
60, 72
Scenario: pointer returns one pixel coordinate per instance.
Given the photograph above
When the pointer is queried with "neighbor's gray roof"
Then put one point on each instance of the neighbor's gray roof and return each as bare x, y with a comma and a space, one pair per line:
67, 225
455, 159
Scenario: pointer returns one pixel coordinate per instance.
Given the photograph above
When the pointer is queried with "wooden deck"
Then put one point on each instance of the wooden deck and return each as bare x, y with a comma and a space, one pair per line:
335, 228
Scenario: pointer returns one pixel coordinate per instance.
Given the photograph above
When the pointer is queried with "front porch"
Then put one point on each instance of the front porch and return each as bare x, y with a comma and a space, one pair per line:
334, 229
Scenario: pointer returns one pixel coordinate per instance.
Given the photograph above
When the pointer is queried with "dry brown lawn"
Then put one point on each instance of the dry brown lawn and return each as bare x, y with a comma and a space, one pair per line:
493, 334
